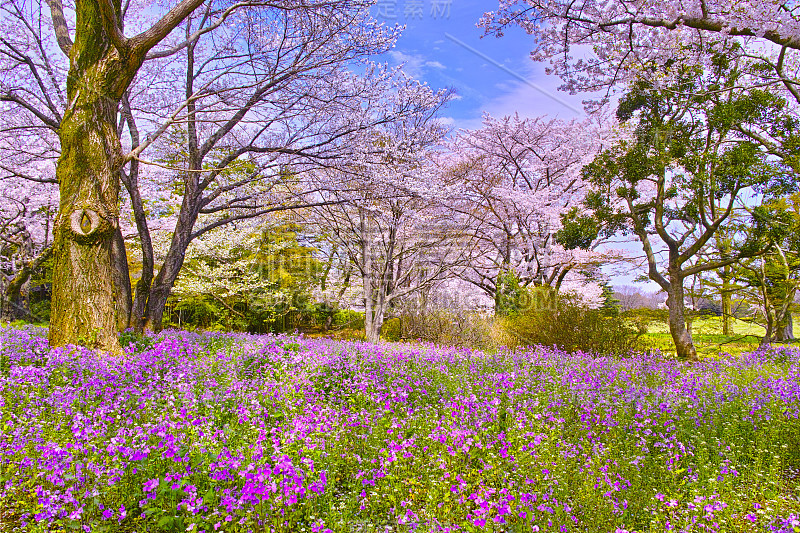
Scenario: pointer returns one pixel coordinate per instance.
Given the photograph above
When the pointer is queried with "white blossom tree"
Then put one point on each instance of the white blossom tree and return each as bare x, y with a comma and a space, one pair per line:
395, 223
521, 176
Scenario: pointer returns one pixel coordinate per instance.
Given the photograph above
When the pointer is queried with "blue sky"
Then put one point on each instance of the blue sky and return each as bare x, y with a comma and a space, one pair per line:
442, 46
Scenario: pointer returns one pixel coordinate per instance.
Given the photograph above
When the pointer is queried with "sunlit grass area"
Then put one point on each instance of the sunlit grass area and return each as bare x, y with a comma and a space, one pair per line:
707, 334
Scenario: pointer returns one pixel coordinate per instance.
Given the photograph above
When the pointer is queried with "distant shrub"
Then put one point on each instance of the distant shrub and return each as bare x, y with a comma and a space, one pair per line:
452, 328
709, 308
347, 318
392, 330
571, 327
643, 317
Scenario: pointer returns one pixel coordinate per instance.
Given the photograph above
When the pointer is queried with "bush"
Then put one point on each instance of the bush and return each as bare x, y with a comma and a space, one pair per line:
449, 327
571, 327
392, 330
348, 319
644, 317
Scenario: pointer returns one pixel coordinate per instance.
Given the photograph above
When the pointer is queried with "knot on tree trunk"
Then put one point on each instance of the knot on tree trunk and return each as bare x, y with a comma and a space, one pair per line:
88, 226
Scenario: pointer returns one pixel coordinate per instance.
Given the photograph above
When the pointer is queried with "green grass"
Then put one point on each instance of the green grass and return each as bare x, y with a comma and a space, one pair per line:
708, 337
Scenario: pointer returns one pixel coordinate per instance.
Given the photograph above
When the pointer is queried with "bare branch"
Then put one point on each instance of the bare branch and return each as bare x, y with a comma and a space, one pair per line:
60, 26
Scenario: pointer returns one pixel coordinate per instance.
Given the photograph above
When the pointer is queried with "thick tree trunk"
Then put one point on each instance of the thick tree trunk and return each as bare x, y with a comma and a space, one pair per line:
84, 290
784, 330
16, 305
681, 336
373, 323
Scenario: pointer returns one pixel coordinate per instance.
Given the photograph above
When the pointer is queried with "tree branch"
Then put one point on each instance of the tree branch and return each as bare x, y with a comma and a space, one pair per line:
60, 26
142, 43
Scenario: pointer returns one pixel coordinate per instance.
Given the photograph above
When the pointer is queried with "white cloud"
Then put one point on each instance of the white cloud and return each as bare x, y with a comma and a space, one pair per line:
538, 95
414, 64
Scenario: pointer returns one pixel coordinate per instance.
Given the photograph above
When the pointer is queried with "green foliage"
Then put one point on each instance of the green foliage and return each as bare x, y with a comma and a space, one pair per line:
140, 342
260, 284
573, 327
673, 154
610, 305
772, 279
644, 317
347, 318
392, 330
40, 308
450, 327
510, 296
578, 230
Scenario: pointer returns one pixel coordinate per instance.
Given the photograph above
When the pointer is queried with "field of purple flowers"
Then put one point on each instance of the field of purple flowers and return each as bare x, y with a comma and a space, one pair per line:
218, 432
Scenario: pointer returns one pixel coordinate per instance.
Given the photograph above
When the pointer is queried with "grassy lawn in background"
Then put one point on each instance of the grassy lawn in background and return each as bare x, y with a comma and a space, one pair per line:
708, 337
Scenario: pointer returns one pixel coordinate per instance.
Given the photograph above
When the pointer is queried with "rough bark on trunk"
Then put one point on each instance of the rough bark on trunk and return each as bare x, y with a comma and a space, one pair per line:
681, 336
103, 62
84, 288
16, 305
373, 323
122, 281
784, 330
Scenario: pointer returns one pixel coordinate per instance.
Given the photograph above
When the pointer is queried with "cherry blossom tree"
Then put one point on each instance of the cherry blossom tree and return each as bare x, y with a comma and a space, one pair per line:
313, 118
596, 45
395, 223
81, 109
601, 47
262, 87
26, 219
522, 175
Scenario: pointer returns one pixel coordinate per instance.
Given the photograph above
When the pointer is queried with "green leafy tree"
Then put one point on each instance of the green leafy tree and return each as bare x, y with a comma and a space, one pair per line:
677, 178
773, 279
262, 280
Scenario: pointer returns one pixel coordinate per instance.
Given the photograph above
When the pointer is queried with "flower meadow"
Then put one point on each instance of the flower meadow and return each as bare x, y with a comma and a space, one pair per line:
222, 432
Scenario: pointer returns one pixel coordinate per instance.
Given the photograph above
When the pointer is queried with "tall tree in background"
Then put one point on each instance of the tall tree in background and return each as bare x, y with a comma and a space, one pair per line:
773, 279
26, 217
242, 149
677, 179
520, 176
394, 223
601, 47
